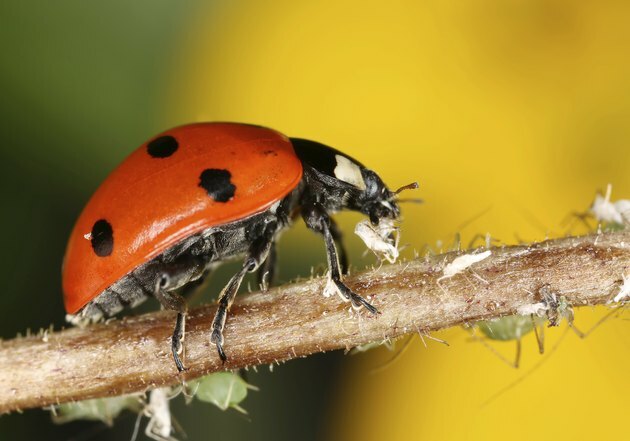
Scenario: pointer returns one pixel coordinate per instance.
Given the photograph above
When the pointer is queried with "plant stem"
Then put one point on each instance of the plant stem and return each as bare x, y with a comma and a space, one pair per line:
295, 320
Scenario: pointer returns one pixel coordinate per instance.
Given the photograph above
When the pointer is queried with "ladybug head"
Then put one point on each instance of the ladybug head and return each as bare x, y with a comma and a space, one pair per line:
347, 183
377, 201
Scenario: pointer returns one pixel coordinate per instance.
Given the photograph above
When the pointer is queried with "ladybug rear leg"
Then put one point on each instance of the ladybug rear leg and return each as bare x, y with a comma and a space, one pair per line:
175, 302
317, 219
258, 252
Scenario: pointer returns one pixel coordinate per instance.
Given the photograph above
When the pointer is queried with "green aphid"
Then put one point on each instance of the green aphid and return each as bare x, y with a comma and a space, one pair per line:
223, 389
97, 409
373, 345
511, 327
515, 327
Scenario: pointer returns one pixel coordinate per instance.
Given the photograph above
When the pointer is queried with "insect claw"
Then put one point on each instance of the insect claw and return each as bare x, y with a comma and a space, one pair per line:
179, 364
366, 305
222, 355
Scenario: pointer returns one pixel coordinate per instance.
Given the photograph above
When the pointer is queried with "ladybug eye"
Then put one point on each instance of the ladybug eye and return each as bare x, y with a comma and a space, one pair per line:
164, 281
374, 219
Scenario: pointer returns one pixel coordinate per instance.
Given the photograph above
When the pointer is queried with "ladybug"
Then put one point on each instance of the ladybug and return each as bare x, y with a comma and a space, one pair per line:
198, 195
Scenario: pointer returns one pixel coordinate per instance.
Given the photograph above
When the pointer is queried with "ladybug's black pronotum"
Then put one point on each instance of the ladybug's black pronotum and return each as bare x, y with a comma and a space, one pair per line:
200, 194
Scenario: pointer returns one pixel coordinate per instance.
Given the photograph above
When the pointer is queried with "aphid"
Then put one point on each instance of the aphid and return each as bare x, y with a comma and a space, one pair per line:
510, 328
160, 425
617, 213
551, 309
389, 344
200, 194
462, 263
223, 389
379, 239
97, 409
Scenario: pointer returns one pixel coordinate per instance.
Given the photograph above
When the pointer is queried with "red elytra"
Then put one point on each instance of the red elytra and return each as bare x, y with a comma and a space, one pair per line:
153, 202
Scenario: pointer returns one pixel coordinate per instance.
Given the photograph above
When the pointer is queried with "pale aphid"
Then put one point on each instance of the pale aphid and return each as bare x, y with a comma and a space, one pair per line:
611, 212
381, 239
160, 426
462, 263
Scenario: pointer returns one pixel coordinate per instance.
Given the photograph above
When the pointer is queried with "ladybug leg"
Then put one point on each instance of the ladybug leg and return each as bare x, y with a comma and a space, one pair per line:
337, 235
257, 254
267, 270
175, 302
317, 219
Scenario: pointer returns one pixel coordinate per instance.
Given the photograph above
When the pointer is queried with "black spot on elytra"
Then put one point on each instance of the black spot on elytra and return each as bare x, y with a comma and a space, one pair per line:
102, 238
162, 147
217, 183
270, 152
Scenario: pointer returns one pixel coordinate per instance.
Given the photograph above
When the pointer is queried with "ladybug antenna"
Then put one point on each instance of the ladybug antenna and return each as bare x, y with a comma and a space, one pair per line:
411, 186
411, 200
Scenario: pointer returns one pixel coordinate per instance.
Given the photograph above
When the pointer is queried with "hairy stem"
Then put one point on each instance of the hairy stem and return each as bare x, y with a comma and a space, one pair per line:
295, 320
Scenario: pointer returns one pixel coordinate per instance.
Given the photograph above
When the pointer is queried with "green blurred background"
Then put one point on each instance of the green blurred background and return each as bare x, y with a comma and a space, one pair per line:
516, 110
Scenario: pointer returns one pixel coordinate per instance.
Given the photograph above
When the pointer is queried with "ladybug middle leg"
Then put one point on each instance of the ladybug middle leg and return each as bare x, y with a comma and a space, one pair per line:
173, 301
318, 220
267, 270
258, 252
180, 275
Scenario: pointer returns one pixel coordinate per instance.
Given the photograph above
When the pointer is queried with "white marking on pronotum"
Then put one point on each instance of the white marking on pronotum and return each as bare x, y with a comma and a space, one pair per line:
613, 212
379, 238
274, 207
624, 291
348, 171
462, 263
87, 236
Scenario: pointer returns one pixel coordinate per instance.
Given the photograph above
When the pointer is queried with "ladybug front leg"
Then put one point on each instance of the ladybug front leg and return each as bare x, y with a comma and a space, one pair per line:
175, 302
317, 219
258, 252
337, 235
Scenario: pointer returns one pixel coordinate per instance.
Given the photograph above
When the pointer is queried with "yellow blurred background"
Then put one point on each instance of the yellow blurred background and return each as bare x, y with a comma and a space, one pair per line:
510, 113
520, 108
